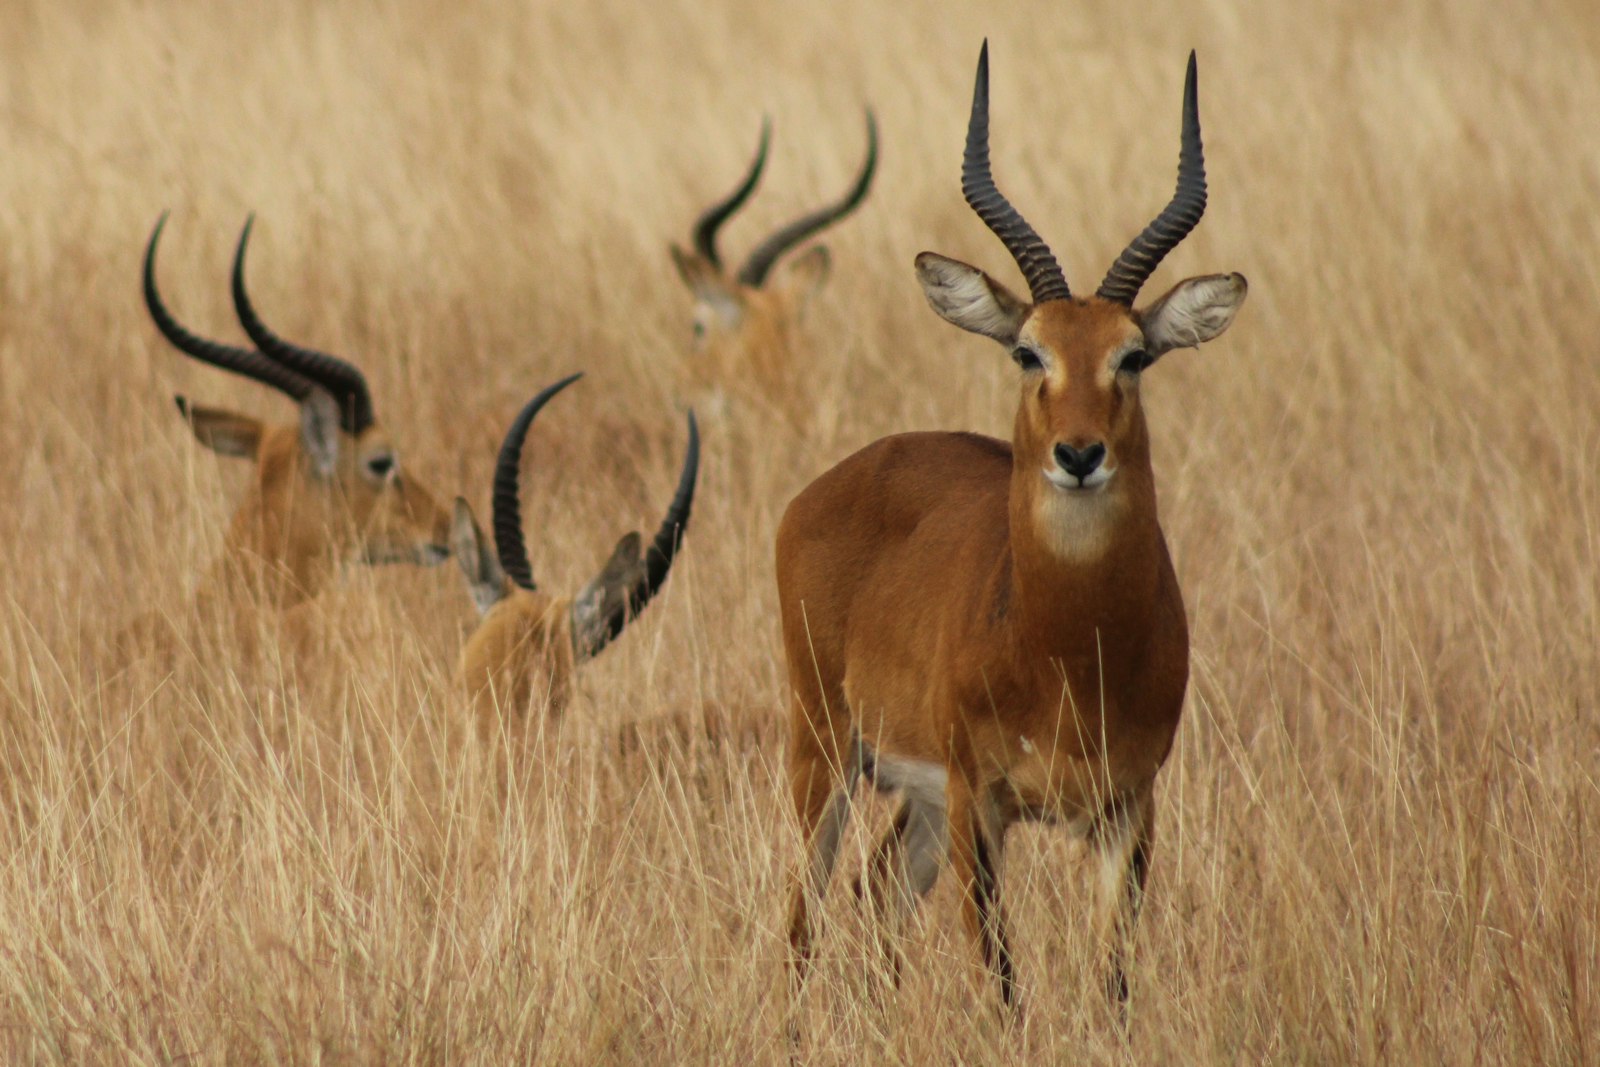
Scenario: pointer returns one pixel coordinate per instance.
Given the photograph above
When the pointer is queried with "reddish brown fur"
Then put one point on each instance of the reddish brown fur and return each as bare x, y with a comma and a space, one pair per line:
943, 602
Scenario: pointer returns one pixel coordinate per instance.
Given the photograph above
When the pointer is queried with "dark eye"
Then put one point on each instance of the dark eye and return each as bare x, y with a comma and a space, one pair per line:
1135, 361
1027, 359
380, 466
699, 328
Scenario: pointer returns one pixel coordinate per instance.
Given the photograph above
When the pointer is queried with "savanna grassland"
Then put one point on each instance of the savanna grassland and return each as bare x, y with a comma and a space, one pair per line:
1379, 836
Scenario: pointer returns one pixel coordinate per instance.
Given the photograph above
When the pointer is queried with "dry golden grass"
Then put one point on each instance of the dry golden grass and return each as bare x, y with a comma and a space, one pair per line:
1377, 840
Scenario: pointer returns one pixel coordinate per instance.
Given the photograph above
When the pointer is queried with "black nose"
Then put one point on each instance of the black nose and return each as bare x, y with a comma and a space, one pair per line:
1080, 463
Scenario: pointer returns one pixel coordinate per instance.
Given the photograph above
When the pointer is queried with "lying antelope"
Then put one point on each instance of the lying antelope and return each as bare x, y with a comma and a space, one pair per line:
326, 491
995, 629
743, 322
529, 643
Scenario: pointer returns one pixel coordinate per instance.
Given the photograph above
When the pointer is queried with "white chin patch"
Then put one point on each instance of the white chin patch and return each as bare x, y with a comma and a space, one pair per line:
1077, 519
1097, 480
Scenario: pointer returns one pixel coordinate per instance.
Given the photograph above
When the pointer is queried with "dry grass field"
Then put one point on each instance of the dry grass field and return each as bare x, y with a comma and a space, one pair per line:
1379, 833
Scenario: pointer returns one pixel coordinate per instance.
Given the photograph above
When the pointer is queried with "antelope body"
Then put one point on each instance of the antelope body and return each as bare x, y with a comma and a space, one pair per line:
528, 643
744, 320
327, 491
995, 628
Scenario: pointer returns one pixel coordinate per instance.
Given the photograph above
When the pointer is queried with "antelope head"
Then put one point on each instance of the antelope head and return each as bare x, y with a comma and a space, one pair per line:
528, 642
1080, 446
328, 490
748, 314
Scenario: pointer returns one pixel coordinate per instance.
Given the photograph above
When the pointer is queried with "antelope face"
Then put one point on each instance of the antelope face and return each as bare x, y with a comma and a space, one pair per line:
396, 517
1082, 363
1078, 418
324, 494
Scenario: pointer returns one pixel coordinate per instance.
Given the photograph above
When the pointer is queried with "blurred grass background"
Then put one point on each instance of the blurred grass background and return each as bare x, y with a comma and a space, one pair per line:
1377, 836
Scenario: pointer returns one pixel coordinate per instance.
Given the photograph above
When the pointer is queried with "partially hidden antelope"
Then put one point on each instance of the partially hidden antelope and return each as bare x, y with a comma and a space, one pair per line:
995, 629
744, 319
326, 491
528, 642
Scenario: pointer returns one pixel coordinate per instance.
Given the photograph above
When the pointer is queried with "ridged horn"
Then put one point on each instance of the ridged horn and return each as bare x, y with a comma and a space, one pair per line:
508, 542
347, 384
1039, 267
707, 225
1140, 259
241, 361
760, 262
659, 555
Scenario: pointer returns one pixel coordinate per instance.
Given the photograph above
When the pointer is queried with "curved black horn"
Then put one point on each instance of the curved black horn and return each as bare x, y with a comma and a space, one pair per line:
1039, 267
508, 541
659, 555
759, 264
1139, 260
243, 361
711, 220
347, 384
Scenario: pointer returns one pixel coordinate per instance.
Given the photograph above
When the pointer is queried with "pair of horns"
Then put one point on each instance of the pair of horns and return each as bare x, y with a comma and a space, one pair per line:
288, 368
513, 551
1139, 260
760, 262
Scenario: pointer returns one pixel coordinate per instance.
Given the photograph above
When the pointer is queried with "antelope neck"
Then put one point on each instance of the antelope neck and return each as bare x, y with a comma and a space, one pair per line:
1091, 608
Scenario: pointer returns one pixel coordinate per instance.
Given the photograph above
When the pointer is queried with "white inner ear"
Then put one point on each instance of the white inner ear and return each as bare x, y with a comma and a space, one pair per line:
1195, 311
970, 299
319, 431
224, 436
691, 268
486, 595
485, 579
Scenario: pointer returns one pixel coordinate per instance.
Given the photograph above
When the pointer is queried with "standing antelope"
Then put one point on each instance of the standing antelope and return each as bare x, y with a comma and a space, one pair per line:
529, 643
743, 323
326, 491
996, 629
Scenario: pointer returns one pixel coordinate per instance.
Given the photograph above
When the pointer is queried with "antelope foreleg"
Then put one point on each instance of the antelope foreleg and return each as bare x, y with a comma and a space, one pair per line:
976, 842
822, 799
904, 866
1124, 841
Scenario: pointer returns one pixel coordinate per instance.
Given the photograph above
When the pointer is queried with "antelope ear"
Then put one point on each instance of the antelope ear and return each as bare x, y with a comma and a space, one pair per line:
1192, 312
804, 276
486, 582
624, 566
319, 431
606, 594
224, 432
696, 271
970, 299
